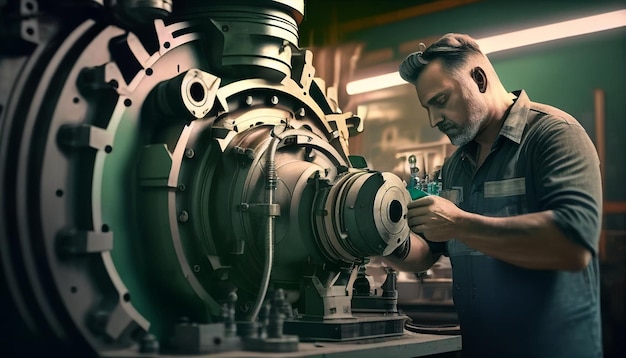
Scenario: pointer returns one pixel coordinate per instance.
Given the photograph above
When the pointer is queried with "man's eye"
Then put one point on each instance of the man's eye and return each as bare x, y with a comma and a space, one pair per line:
441, 100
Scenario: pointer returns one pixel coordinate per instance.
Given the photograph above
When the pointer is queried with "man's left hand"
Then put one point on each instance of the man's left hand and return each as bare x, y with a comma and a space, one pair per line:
436, 218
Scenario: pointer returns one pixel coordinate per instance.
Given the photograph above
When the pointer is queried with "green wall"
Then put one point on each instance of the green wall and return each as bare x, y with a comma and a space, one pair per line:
563, 73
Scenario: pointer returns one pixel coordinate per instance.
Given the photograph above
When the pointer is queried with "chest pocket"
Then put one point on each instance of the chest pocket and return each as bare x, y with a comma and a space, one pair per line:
505, 197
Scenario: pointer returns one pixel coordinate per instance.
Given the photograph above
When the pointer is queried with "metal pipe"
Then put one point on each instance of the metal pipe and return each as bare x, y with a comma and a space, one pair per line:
270, 187
599, 121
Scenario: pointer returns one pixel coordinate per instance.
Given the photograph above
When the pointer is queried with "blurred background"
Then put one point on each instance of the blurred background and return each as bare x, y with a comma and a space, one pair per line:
581, 73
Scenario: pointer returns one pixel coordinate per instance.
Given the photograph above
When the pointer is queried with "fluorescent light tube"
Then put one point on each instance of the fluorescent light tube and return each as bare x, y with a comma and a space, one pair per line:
511, 40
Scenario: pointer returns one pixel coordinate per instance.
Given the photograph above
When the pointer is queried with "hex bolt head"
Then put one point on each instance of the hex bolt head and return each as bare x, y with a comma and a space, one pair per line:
183, 217
149, 344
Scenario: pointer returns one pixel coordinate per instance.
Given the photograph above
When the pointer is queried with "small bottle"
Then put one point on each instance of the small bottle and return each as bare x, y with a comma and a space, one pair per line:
414, 182
425, 183
414, 187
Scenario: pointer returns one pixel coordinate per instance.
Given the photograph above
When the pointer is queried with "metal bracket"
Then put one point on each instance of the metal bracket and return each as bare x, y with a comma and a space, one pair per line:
85, 136
260, 209
20, 26
74, 241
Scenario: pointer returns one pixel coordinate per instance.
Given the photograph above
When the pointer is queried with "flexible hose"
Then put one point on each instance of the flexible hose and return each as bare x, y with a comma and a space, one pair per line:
271, 180
451, 329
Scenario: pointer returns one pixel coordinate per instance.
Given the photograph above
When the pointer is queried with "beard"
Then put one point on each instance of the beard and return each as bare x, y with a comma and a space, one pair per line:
461, 134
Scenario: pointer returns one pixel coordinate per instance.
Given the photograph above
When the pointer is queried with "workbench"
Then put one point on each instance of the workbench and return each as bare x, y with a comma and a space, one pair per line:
405, 346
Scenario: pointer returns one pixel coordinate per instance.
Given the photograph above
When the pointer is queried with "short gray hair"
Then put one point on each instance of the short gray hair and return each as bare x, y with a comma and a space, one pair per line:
453, 49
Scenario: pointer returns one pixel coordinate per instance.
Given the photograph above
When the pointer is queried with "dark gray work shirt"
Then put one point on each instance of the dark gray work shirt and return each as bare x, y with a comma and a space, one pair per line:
542, 160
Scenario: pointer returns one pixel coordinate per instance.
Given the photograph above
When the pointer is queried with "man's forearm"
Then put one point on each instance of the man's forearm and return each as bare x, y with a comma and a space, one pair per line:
531, 241
418, 257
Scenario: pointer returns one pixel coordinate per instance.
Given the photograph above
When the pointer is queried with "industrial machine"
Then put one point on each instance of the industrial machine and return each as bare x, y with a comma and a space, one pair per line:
175, 179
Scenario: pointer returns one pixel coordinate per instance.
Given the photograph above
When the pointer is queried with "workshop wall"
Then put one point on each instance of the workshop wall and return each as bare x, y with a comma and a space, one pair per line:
563, 73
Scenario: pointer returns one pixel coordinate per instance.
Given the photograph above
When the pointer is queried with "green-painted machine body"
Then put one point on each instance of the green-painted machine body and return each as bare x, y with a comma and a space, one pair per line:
177, 162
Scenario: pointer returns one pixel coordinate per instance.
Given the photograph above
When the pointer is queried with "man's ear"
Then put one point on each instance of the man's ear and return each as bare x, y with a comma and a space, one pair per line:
479, 76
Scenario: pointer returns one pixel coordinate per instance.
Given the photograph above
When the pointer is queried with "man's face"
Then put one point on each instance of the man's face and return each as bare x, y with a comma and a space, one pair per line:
453, 102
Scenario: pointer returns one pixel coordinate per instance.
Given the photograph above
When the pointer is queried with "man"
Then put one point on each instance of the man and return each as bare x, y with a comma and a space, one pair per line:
522, 222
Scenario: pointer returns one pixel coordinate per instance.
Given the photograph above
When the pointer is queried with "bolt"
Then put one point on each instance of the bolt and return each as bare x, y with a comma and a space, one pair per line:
189, 153
274, 100
301, 112
183, 217
249, 100
149, 344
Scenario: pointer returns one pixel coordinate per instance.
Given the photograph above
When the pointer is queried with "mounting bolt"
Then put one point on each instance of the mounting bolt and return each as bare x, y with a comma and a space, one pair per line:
183, 217
149, 344
189, 153
274, 100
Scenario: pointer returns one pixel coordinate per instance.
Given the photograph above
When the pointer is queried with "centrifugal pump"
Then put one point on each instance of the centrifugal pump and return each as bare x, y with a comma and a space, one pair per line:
159, 158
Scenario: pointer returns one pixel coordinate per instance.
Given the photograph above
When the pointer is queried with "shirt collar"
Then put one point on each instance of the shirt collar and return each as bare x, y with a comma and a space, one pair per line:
515, 122
513, 126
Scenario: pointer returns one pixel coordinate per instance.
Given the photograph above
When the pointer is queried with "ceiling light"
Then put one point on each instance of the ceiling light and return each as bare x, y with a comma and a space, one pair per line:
511, 40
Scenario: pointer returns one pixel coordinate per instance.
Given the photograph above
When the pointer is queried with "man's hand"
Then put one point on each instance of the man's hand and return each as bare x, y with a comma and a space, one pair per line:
436, 218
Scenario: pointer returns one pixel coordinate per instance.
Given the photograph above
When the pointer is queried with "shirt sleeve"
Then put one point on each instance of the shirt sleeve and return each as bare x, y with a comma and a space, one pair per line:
567, 180
436, 248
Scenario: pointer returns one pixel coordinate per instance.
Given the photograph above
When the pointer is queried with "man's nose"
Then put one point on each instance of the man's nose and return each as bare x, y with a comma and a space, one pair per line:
434, 117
